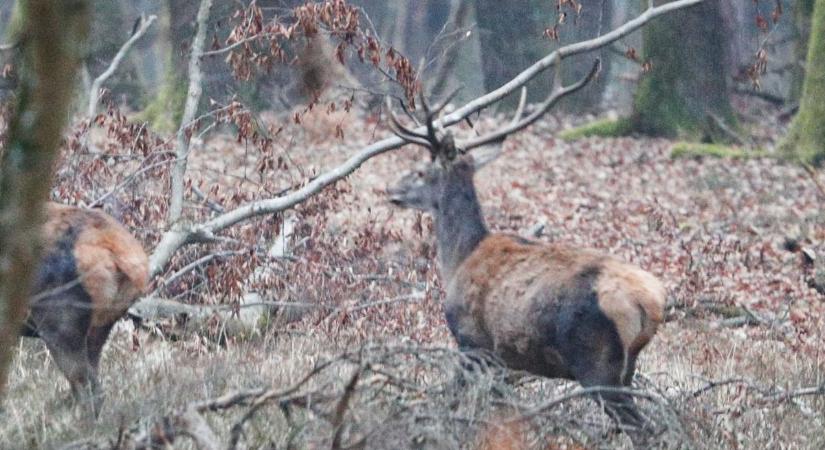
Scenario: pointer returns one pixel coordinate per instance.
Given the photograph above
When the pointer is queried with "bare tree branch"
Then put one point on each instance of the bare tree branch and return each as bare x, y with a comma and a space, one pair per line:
578, 393
173, 239
518, 124
193, 97
94, 91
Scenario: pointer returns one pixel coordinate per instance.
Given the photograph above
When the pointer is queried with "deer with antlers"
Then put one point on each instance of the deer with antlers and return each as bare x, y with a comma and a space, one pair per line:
549, 309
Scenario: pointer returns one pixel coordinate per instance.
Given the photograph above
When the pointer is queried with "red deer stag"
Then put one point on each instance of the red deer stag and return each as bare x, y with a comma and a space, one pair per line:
549, 309
92, 270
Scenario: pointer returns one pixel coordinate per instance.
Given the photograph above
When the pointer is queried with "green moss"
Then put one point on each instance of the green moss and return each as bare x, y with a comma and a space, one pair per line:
164, 111
806, 139
599, 128
687, 79
695, 150
803, 9
15, 25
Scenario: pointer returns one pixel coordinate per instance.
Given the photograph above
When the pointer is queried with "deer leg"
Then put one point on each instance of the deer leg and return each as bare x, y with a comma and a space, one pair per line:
95, 341
63, 324
603, 364
630, 368
619, 406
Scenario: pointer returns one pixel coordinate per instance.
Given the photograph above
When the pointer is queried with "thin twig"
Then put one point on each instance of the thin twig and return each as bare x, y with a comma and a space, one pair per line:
94, 91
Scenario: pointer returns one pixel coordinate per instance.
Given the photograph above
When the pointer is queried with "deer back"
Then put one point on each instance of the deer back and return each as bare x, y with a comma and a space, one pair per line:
93, 249
531, 303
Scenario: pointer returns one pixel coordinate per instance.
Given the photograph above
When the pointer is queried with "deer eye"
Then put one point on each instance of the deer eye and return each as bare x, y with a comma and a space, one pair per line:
419, 174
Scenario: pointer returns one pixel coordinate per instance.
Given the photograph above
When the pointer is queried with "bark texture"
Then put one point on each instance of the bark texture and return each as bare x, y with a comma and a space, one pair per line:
686, 90
806, 139
53, 33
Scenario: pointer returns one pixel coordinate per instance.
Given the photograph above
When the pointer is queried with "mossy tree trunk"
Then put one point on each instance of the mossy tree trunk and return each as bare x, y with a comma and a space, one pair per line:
802, 23
686, 90
806, 138
53, 32
164, 109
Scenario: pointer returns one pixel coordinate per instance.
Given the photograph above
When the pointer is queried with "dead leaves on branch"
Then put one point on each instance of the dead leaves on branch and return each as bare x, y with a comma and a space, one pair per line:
257, 43
758, 67
563, 9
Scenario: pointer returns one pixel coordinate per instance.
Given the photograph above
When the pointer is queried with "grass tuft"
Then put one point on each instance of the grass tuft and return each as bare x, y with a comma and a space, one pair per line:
599, 128
697, 150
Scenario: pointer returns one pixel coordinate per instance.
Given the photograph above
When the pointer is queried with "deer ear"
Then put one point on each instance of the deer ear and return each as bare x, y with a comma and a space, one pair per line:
448, 148
487, 153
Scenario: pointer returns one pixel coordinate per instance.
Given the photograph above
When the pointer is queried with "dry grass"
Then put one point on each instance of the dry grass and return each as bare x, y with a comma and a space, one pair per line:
712, 230
410, 399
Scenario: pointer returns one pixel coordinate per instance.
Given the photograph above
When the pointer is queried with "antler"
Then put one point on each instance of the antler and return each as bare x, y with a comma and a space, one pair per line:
447, 148
430, 140
405, 133
517, 123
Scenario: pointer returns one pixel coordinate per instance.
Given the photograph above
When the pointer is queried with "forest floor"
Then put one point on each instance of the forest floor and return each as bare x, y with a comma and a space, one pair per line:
739, 362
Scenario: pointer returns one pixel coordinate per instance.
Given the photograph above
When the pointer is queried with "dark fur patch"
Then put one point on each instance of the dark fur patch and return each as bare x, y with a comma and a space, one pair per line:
464, 341
459, 223
576, 328
57, 273
58, 266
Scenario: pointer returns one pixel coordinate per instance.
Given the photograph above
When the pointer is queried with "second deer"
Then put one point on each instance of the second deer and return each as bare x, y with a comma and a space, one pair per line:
91, 272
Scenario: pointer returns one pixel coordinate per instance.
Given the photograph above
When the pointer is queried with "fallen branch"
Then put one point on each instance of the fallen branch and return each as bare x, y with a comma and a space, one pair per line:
770, 394
153, 308
727, 130
187, 423
768, 97
94, 91
179, 236
578, 393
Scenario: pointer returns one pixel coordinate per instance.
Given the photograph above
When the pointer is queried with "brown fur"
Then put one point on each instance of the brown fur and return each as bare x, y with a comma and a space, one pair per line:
634, 300
113, 267
497, 282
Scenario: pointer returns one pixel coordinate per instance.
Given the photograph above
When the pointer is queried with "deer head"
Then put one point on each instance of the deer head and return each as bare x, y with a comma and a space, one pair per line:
423, 187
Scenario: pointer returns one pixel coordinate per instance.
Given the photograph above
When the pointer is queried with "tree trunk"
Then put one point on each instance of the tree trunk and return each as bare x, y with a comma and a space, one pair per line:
686, 90
54, 31
802, 24
511, 40
595, 19
164, 110
806, 138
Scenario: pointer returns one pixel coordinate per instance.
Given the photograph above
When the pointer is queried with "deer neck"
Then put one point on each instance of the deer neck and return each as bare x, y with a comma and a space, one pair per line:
459, 223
